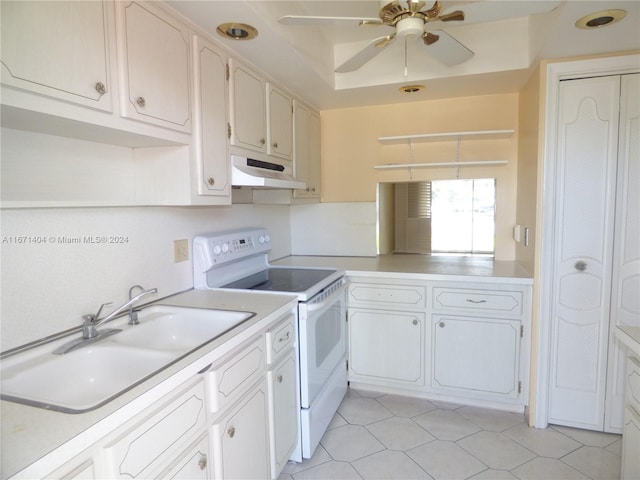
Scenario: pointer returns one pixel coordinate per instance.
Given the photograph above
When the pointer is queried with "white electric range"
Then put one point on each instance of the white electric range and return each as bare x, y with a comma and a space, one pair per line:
239, 260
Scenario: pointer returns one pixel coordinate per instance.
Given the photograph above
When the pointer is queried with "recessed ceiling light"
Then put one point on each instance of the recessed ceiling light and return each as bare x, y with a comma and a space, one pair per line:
237, 31
411, 88
601, 19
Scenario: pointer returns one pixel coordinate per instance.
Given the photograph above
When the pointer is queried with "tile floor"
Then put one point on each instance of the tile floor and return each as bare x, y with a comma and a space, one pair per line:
378, 436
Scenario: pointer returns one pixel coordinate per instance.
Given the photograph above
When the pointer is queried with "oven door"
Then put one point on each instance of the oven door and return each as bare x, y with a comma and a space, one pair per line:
322, 322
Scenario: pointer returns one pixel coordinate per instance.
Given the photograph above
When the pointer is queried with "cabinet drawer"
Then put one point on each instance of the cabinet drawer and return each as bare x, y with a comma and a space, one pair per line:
489, 301
633, 383
229, 377
408, 296
280, 338
150, 443
193, 464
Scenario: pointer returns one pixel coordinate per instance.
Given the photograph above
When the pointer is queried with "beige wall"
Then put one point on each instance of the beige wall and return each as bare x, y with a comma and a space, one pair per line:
528, 138
350, 150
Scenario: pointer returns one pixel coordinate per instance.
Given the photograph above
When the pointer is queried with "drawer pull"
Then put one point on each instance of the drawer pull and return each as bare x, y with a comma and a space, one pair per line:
285, 338
141, 101
470, 300
231, 431
415, 322
279, 379
441, 324
202, 463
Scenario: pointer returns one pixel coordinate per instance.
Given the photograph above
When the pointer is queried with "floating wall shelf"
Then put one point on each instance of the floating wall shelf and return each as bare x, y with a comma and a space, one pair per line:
481, 163
444, 137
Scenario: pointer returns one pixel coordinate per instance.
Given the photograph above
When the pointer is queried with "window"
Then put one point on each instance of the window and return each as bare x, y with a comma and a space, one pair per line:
438, 217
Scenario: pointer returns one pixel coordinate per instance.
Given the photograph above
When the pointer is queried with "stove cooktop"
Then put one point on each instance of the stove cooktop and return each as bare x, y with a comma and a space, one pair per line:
286, 280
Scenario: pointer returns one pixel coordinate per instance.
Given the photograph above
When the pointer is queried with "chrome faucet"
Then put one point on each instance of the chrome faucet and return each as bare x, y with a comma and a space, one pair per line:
91, 322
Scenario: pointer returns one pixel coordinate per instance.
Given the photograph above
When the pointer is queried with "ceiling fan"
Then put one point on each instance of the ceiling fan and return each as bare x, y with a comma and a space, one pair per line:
409, 18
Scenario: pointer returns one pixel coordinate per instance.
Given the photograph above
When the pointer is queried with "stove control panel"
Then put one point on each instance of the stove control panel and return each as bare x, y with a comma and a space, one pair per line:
219, 249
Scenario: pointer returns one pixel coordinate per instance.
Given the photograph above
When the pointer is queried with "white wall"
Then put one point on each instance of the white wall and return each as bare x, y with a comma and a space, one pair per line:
334, 229
47, 287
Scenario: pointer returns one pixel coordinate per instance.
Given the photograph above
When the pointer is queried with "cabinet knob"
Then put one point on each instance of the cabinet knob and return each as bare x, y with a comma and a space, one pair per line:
275, 144
441, 324
100, 88
141, 101
231, 431
581, 266
211, 181
262, 141
279, 379
202, 463
415, 322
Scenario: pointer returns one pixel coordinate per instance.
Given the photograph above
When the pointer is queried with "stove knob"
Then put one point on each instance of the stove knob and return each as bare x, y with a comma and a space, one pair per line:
267, 239
217, 250
225, 247
261, 239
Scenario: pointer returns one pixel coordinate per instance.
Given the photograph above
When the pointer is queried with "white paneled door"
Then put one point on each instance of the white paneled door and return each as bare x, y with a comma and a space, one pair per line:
592, 224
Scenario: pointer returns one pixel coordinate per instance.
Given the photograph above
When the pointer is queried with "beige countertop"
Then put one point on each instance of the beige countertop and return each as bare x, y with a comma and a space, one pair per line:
422, 267
30, 434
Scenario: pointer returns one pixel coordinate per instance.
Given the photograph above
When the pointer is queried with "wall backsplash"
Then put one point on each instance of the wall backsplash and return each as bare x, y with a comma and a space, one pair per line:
54, 270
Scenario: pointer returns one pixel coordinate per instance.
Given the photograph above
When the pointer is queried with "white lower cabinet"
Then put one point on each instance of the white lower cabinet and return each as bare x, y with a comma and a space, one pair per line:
386, 347
456, 341
475, 356
241, 438
631, 433
151, 445
283, 427
193, 464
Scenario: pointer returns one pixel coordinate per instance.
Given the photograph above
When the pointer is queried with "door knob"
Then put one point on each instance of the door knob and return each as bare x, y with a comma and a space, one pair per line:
581, 266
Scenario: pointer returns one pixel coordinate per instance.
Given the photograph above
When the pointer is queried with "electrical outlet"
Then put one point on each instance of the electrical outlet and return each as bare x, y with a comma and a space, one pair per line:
180, 250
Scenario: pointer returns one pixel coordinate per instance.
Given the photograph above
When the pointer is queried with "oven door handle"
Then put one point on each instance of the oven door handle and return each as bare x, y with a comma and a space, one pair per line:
326, 298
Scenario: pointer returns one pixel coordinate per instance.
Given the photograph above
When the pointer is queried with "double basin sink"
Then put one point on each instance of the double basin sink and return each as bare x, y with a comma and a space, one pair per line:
91, 376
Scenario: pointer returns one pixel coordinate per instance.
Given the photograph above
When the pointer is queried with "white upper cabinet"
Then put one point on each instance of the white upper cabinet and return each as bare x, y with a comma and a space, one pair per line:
307, 150
280, 125
247, 113
41, 55
210, 149
154, 55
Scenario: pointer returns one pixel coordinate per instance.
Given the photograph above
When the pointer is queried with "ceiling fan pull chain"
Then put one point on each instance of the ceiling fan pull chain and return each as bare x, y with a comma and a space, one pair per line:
406, 58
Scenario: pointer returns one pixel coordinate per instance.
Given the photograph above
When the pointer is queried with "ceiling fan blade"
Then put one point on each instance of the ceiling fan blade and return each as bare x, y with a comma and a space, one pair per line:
453, 16
321, 21
372, 49
430, 38
478, 12
448, 50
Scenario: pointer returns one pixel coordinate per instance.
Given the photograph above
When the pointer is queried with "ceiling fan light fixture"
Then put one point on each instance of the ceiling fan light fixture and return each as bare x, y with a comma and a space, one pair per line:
410, 26
411, 88
600, 19
237, 31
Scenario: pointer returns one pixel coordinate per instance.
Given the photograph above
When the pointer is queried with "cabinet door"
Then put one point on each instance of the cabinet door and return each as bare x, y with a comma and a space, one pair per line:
313, 180
581, 284
280, 123
283, 412
210, 120
476, 355
386, 347
241, 438
248, 108
154, 55
37, 57
193, 464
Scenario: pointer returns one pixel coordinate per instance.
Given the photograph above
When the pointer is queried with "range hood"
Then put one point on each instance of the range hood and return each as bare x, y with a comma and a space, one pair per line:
248, 172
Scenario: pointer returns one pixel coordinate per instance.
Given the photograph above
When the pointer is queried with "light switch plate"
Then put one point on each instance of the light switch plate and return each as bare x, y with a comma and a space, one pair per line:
180, 250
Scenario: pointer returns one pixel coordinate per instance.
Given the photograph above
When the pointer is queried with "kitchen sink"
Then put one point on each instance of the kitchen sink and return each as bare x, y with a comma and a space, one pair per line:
90, 376
177, 329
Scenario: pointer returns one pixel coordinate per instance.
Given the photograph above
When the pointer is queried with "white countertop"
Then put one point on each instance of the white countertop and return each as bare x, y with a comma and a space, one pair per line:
421, 267
630, 337
30, 433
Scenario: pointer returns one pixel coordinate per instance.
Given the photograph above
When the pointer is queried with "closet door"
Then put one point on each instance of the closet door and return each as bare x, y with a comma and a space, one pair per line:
625, 291
585, 188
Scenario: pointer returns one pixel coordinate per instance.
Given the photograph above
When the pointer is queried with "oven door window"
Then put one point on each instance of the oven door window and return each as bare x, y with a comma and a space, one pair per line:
322, 343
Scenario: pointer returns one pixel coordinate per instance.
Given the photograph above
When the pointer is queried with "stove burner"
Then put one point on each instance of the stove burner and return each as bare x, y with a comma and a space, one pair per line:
291, 280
